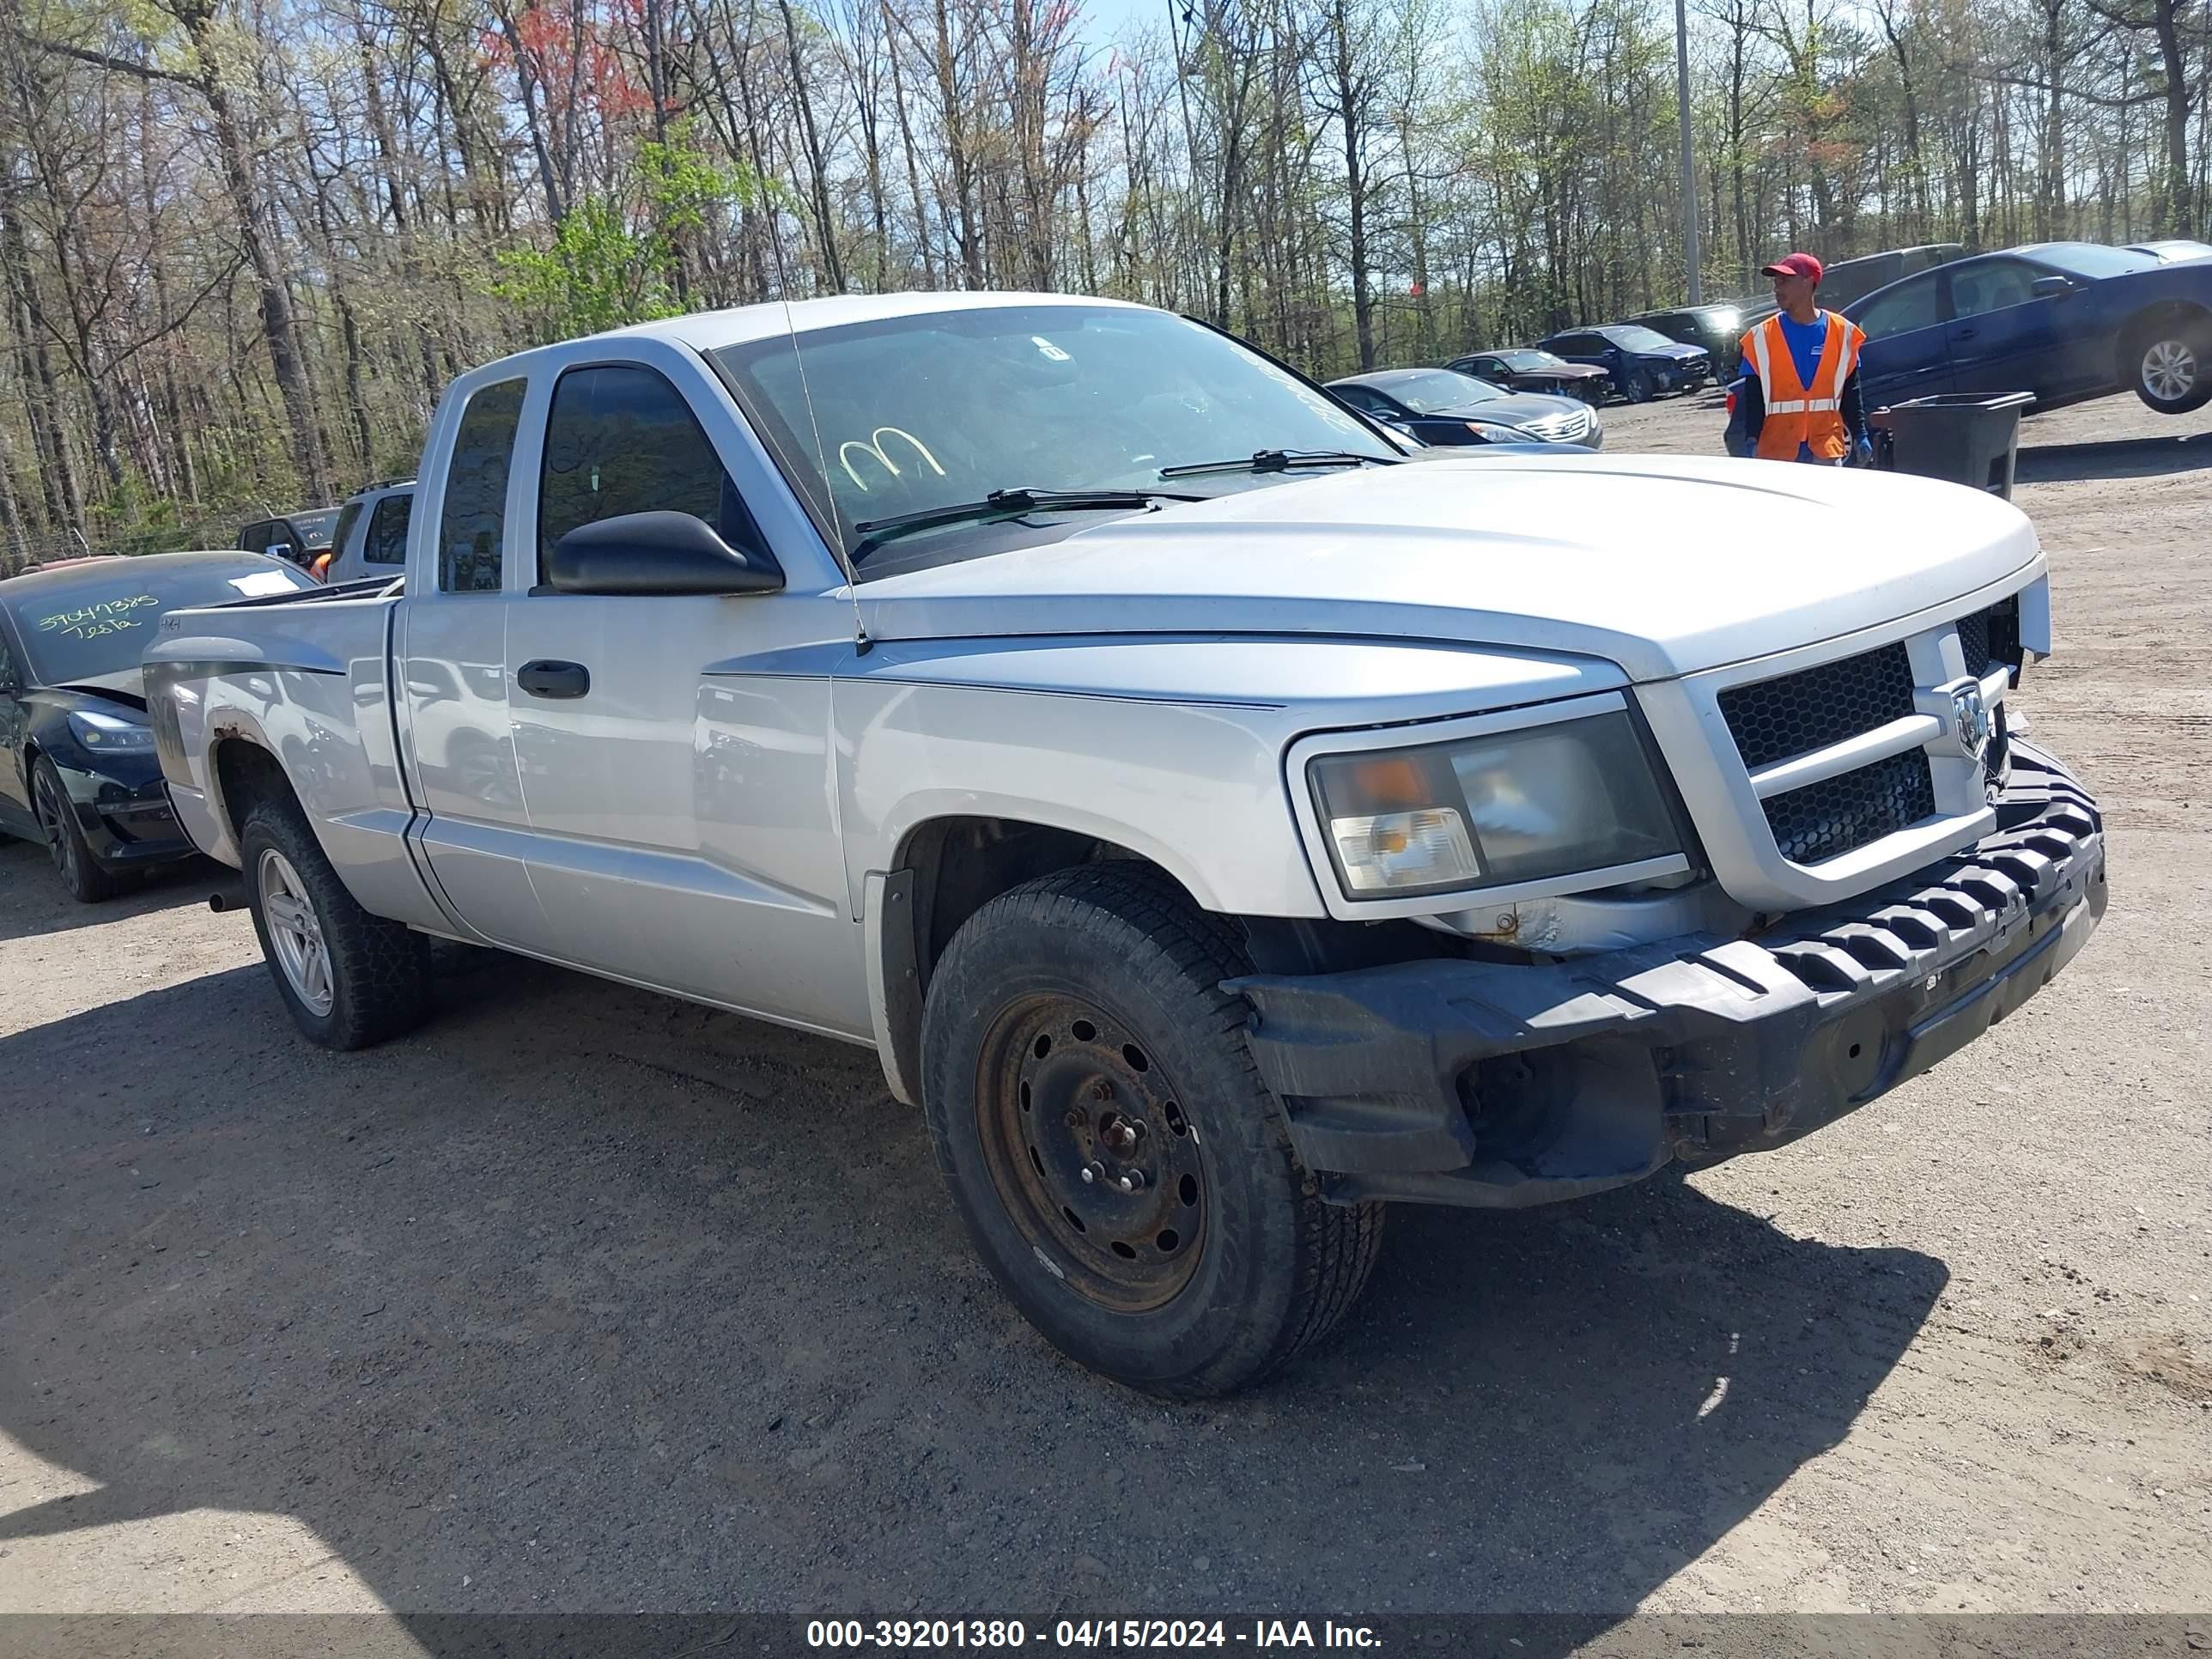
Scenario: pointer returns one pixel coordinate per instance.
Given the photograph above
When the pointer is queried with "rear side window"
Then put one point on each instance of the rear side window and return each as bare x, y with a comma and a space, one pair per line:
619, 439
1904, 307
348, 515
1990, 286
387, 531
254, 538
473, 520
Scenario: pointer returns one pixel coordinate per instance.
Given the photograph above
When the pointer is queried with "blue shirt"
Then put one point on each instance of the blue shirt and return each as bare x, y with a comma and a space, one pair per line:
1805, 341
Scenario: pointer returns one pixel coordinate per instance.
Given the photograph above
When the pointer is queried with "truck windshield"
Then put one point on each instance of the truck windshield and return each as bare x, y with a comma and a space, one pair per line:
919, 412
95, 626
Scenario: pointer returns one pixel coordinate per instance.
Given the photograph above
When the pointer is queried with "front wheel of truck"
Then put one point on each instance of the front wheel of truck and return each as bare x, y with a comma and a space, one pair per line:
347, 979
1120, 1166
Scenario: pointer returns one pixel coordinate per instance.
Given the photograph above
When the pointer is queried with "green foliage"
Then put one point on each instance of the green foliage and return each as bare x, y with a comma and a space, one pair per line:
599, 274
688, 190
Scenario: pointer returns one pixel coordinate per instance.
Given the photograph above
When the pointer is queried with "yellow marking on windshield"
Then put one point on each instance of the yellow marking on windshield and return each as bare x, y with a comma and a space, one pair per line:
874, 446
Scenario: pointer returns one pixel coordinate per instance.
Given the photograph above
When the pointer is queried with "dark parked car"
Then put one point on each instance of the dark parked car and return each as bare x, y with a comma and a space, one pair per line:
2065, 320
1716, 329
1524, 368
1442, 406
298, 537
1643, 364
77, 767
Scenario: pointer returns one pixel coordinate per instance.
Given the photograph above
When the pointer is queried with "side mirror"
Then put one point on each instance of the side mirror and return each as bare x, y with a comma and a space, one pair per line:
2052, 288
665, 553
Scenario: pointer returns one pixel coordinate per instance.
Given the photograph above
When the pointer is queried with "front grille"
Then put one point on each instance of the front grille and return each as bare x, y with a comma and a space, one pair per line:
1776, 720
1990, 637
1842, 814
1561, 428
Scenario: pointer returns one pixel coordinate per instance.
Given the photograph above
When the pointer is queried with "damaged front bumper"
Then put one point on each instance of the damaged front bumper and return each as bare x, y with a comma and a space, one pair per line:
1500, 1085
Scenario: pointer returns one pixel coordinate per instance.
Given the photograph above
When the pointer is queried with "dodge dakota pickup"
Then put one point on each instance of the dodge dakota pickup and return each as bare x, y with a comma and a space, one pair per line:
1220, 823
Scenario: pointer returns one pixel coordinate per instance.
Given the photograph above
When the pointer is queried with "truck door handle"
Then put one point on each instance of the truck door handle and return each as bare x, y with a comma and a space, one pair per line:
1963, 334
544, 678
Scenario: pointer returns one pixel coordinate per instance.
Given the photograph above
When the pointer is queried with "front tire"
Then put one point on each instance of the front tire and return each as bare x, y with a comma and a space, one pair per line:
1636, 388
1120, 1166
86, 879
347, 979
2172, 365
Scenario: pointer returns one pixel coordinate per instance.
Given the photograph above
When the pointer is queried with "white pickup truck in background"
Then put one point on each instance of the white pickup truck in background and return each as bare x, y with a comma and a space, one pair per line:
1219, 822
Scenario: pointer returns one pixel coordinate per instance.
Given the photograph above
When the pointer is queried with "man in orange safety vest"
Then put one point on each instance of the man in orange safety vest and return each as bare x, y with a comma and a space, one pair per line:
1799, 398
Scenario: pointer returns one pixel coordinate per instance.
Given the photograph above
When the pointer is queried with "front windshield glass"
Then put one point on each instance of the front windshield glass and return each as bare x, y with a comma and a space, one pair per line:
2087, 259
1526, 360
97, 625
945, 407
1438, 390
1636, 337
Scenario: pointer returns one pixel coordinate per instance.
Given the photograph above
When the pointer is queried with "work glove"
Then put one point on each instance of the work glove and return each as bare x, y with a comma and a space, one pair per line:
1862, 452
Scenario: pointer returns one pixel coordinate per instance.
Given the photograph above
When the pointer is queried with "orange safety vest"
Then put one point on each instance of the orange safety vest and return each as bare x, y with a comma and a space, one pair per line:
1795, 413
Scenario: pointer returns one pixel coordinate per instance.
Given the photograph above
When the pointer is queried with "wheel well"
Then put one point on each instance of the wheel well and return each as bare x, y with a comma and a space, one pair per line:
2165, 314
950, 868
960, 865
245, 775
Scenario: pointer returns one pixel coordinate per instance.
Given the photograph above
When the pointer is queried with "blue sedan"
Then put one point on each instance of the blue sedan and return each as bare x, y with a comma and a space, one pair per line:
2065, 320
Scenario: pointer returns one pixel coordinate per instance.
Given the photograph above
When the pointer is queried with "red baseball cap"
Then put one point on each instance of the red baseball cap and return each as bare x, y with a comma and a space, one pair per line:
1795, 264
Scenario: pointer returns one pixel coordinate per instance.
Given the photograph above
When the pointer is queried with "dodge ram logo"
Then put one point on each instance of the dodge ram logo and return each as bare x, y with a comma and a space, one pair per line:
1970, 722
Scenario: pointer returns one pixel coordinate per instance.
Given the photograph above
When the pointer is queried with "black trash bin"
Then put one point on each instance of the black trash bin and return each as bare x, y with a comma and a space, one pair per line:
1963, 436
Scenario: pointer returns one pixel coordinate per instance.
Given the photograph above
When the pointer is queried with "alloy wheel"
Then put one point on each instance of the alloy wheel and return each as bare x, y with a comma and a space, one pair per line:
52, 821
295, 932
2169, 370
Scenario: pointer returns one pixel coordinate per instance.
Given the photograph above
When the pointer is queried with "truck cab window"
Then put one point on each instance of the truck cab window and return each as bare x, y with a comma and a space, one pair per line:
472, 521
619, 439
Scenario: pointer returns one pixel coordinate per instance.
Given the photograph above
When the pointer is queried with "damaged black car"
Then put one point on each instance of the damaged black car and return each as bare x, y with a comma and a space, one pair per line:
78, 773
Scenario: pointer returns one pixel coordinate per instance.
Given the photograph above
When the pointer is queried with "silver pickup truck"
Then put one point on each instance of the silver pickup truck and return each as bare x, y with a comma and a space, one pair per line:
1219, 822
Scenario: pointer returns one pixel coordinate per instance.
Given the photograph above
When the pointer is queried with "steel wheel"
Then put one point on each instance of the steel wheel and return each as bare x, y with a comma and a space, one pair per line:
61, 845
1090, 1153
2169, 370
295, 932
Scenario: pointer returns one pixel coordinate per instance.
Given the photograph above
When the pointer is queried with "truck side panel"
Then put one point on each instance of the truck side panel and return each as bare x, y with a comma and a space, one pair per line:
307, 686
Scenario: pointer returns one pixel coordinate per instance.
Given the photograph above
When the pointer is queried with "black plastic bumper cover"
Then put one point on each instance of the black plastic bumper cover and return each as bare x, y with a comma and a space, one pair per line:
1483, 1084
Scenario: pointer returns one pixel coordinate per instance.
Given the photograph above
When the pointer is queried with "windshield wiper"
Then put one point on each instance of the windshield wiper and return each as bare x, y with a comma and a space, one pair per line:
1279, 460
1008, 503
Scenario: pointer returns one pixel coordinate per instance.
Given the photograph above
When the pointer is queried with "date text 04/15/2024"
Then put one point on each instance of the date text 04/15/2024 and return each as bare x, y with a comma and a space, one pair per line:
916, 1634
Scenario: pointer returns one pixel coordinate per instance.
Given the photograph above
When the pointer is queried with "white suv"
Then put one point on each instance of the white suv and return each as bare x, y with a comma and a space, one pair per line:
371, 540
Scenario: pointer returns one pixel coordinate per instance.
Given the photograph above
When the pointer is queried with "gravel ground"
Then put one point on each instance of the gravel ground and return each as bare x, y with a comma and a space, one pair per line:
580, 1299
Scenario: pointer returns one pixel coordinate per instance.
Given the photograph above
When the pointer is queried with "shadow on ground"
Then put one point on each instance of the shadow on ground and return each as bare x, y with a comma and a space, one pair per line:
583, 1300
2119, 458
39, 904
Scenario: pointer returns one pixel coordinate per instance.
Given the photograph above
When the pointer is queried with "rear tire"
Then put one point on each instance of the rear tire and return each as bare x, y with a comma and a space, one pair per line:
86, 879
1120, 1166
347, 979
2170, 363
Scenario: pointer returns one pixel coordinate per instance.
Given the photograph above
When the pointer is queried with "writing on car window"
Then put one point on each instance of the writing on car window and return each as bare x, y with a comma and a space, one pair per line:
86, 622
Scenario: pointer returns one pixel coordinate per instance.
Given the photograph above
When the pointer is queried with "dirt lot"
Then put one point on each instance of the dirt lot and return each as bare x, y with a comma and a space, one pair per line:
580, 1299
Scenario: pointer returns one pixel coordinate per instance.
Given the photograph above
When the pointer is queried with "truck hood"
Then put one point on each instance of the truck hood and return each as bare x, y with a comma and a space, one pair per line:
1665, 565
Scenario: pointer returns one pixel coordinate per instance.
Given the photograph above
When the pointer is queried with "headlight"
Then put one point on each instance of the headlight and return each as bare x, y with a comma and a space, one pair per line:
104, 734
1494, 432
1504, 808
